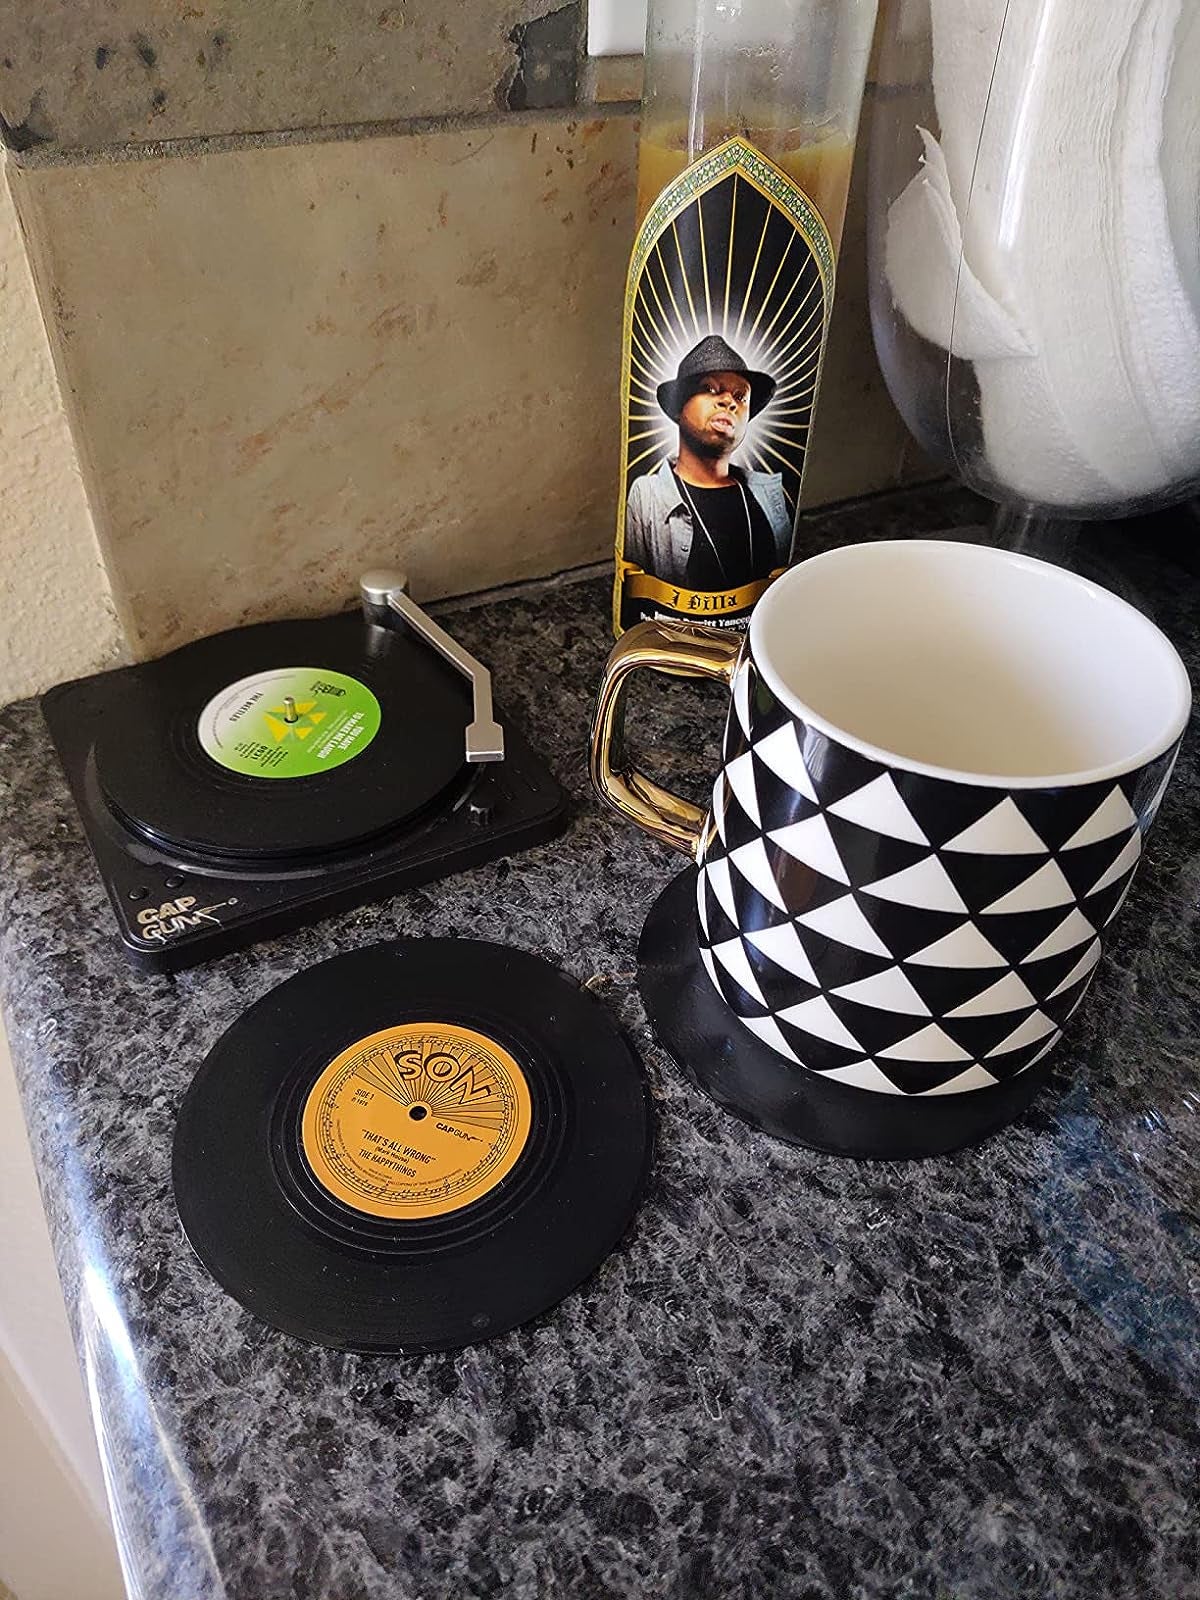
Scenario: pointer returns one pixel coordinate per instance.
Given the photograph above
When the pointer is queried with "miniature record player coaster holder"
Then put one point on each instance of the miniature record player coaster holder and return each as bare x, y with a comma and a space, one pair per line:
207, 842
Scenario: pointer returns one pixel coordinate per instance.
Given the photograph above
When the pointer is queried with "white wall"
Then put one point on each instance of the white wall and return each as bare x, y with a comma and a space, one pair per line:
52, 1545
55, 1539
56, 621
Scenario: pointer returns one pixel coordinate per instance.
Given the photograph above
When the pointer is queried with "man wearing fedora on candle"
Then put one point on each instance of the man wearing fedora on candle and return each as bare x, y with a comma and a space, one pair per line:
698, 521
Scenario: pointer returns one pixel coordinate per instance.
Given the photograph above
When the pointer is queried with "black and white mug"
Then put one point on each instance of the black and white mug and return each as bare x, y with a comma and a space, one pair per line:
939, 766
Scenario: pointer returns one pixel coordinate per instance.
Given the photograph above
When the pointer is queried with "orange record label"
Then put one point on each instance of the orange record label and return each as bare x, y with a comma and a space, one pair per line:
416, 1120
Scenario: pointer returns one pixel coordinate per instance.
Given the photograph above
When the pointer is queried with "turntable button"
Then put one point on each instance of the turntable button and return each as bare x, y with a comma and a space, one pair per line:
174, 882
139, 893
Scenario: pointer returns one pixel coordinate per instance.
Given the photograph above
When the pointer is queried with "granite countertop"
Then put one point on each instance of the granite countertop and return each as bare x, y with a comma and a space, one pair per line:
973, 1378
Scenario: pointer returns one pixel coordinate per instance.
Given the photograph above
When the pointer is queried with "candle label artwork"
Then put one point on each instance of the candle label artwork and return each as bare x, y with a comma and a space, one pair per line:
727, 306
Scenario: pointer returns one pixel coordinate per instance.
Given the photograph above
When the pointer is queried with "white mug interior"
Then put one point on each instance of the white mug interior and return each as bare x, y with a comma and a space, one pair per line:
964, 661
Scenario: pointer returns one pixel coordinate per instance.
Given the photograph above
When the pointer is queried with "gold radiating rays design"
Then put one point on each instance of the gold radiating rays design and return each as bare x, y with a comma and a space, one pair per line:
453, 1078
762, 290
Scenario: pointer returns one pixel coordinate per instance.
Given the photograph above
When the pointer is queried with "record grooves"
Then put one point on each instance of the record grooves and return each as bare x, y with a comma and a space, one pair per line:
152, 769
471, 1247
251, 782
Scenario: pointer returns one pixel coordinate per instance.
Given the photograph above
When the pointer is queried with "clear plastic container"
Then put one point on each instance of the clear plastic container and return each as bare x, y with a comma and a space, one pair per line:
787, 75
1035, 246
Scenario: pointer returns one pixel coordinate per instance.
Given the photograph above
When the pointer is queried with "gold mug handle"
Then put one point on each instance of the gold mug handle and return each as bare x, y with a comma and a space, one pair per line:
681, 649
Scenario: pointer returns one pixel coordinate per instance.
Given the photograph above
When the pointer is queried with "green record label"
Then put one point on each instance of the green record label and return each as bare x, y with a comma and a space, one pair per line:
291, 722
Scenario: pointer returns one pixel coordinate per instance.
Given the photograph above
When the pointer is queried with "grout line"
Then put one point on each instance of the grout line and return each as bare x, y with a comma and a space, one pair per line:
525, 586
604, 568
836, 508
339, 133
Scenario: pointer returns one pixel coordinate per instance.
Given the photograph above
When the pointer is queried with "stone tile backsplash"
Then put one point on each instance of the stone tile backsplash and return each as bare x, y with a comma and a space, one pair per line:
92, 73
289, 364
303, 343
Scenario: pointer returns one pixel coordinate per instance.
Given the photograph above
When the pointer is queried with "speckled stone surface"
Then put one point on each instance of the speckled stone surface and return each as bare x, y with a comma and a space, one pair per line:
974, 1378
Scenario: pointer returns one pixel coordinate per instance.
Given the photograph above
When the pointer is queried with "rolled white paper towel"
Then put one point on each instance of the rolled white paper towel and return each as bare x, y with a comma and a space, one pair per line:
945, 302
1058, 218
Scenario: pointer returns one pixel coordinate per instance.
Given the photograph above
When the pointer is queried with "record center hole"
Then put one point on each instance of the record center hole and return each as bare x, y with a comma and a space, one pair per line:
419, 1113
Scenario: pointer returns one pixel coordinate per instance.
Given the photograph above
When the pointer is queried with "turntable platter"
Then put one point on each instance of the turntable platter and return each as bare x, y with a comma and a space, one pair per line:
284, 739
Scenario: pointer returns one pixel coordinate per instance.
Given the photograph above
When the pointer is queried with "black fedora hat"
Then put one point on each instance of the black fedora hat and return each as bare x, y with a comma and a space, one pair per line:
712, 355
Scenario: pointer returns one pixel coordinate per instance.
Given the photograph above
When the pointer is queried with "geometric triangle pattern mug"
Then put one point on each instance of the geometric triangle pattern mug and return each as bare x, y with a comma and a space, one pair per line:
939, 766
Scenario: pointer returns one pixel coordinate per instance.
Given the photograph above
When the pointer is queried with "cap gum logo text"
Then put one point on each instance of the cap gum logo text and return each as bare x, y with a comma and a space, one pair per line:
176, 916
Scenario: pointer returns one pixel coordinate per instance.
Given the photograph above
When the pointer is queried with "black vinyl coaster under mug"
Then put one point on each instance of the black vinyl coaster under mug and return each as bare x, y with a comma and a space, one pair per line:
939, 765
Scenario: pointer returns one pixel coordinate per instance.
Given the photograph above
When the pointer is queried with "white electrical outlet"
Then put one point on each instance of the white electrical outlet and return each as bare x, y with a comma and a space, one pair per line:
616, 27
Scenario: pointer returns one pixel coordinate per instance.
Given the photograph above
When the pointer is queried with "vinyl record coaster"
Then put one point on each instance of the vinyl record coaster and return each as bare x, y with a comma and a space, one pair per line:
282, 740
248, 783
413, 1147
